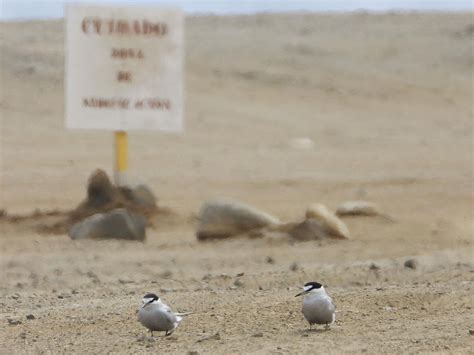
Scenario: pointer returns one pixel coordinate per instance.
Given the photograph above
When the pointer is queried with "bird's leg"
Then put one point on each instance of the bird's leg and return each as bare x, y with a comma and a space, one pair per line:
327, 326
151, 333
310, 325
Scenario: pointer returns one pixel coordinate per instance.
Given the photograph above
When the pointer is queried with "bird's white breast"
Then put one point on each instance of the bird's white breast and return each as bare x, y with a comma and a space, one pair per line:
318, 308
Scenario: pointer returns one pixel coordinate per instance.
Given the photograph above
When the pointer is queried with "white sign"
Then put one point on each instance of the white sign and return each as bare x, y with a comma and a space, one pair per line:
124, 68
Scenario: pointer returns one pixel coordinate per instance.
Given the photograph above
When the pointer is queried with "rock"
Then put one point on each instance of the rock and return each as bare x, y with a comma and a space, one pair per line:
374, 267
294, 266
100, 190
471, 331
238, 283
116, 224
104, 197
301, 143
358, 208
211, 337
309, 229
411, 264
13, 321
269, 260
331, 224
142, 196
221, 219
30, 317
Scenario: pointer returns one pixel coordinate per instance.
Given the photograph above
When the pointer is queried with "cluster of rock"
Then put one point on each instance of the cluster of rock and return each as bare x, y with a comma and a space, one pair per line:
220, 219
112, 212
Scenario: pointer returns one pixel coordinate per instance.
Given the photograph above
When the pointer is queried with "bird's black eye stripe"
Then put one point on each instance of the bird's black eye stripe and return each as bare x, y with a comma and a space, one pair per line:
152, 296
313, 285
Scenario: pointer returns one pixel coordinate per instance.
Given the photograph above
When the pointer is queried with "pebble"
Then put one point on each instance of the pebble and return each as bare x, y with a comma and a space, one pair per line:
30, 317
374, 266
212, 337
411, 263
13, 321
238, 283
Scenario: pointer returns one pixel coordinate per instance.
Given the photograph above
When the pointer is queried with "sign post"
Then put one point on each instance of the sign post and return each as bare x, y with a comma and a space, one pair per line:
124, 71
121, 158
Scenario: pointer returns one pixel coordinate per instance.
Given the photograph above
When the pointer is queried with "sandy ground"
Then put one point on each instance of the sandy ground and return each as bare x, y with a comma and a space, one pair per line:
387, 101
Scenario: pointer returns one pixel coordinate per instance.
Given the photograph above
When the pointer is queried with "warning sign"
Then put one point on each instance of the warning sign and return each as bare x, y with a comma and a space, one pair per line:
124, 68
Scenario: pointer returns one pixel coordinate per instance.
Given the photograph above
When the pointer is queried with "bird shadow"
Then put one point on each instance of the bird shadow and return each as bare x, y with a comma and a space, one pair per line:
307, 332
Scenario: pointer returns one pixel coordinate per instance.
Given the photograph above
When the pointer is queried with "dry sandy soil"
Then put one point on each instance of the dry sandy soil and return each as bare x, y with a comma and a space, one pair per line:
387, 100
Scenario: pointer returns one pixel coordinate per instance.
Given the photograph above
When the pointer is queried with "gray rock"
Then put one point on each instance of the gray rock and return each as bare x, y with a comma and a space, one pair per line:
411, 264
143, 196
310, 229
100, 190
220, 219
12, 321
116, 224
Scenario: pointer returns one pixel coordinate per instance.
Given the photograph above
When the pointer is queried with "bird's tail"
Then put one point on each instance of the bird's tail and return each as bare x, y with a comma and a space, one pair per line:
180, 316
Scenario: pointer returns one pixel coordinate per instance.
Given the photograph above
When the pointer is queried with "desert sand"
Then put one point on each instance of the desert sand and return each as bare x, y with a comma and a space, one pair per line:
387, 102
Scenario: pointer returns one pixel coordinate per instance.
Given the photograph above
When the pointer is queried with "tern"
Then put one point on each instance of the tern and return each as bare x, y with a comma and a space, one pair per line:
318, 307
157, 316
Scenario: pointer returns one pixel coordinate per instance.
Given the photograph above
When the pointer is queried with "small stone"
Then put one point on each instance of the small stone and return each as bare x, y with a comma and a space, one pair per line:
240, 274
303, 143
193, 352
22, 335
374, 266
358, 208
123, 281
30, 317
238, 283
471, 331
269, 260
212, 337
13, 321
411, 264
294, 266
258, 335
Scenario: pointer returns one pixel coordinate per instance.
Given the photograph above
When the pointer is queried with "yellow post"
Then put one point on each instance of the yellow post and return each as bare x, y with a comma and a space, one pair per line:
121, 157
